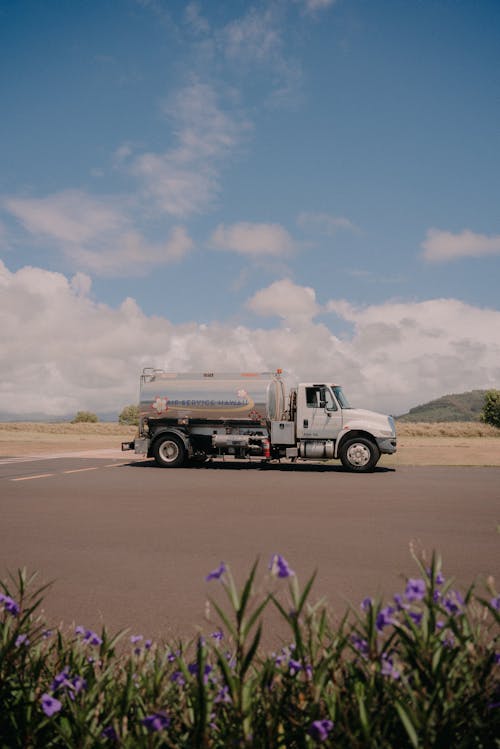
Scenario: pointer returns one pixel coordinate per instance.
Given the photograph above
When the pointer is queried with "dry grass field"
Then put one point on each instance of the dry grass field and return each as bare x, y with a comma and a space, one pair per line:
26, 438
453, 443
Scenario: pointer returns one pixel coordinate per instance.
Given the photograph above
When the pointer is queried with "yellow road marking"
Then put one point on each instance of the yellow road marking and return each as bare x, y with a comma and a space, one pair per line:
28, 478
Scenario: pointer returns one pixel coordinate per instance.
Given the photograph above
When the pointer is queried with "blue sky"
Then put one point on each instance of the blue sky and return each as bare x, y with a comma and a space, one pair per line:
312, 184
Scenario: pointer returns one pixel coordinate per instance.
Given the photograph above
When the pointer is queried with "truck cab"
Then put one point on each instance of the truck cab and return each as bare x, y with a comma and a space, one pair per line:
327, 427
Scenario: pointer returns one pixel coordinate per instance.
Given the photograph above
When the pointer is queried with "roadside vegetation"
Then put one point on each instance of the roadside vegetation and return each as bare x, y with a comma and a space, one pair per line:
491, 410
420, 671
125, 428
86, 417
451, 429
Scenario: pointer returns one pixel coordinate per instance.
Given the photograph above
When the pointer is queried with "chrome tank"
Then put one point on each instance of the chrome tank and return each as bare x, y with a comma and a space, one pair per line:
211, 396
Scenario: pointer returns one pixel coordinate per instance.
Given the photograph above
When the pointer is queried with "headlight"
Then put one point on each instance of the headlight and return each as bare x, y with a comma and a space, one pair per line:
392, 426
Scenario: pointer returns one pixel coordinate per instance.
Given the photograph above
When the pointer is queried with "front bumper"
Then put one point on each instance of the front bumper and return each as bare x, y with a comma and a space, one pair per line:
387, 445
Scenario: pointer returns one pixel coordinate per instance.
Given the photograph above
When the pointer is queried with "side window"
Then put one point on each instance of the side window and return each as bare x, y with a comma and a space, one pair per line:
312, 397
330, 402
319, 396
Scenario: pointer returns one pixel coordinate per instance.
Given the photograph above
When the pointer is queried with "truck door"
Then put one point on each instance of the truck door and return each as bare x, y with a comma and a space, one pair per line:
318, 413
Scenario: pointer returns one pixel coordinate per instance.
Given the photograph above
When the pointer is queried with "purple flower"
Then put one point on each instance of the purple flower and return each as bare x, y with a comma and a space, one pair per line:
415, 590
77, 684
50, 705
9, 605
438, 578
223, 695
453, 602
398, 600
366, 604
218, 635
22, 640
60, 680
385, 618
156, 722
92, 638
495, 603
496, 658
88, 635
320, 729
416, 616
110, 733
388, 668
72, 684
217, 574
135, 639
294, 666
193, 669
178, 678
360, 644
279, 566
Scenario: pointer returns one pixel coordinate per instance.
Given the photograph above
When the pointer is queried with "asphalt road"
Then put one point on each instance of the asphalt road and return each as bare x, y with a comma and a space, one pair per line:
129, 544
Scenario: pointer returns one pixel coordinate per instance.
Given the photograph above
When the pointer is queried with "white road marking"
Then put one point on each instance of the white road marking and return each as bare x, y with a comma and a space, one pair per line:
29, 478
109, 453
80, 470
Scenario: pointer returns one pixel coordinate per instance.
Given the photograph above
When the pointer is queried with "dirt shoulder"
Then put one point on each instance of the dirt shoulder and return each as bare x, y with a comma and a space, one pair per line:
457, 444
21, 439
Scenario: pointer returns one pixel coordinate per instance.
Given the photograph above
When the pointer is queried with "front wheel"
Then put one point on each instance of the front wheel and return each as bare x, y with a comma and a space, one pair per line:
169, 451
359, 455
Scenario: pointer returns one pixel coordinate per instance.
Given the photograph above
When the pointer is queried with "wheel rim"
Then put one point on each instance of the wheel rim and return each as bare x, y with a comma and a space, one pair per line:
358, 454
169, 451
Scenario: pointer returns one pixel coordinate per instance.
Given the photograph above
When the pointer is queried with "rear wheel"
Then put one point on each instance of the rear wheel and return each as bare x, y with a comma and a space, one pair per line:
169, 451
359, 455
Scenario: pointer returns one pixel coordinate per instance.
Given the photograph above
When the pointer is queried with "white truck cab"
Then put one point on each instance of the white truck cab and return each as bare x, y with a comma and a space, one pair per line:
327, 426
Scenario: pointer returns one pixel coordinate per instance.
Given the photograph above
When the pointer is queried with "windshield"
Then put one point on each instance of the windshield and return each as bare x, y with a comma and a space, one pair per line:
339, 394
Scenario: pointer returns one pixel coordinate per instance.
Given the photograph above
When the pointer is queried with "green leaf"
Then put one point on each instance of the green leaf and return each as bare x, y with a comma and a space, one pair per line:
407, 723
251, 652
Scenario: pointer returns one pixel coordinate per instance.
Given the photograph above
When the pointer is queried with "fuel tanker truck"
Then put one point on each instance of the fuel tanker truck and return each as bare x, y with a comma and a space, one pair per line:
186, 417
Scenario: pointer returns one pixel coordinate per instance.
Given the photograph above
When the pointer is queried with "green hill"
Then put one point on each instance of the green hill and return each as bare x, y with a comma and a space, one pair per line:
456, 407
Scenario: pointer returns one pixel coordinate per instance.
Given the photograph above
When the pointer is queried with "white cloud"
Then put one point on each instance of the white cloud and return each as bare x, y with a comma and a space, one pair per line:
70, 216
413, 352
325, 223
96, 234
252, 239
441, 246
61, 351
255, 42
315, 6
195, 20
185, 179
286, 300
253, 37
131, 254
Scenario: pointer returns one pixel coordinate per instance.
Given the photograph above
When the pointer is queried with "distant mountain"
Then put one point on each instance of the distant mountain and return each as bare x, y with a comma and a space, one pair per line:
457, 407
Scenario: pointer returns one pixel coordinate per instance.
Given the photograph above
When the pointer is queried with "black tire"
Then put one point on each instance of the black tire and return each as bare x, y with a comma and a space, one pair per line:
359, 454
169, 451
